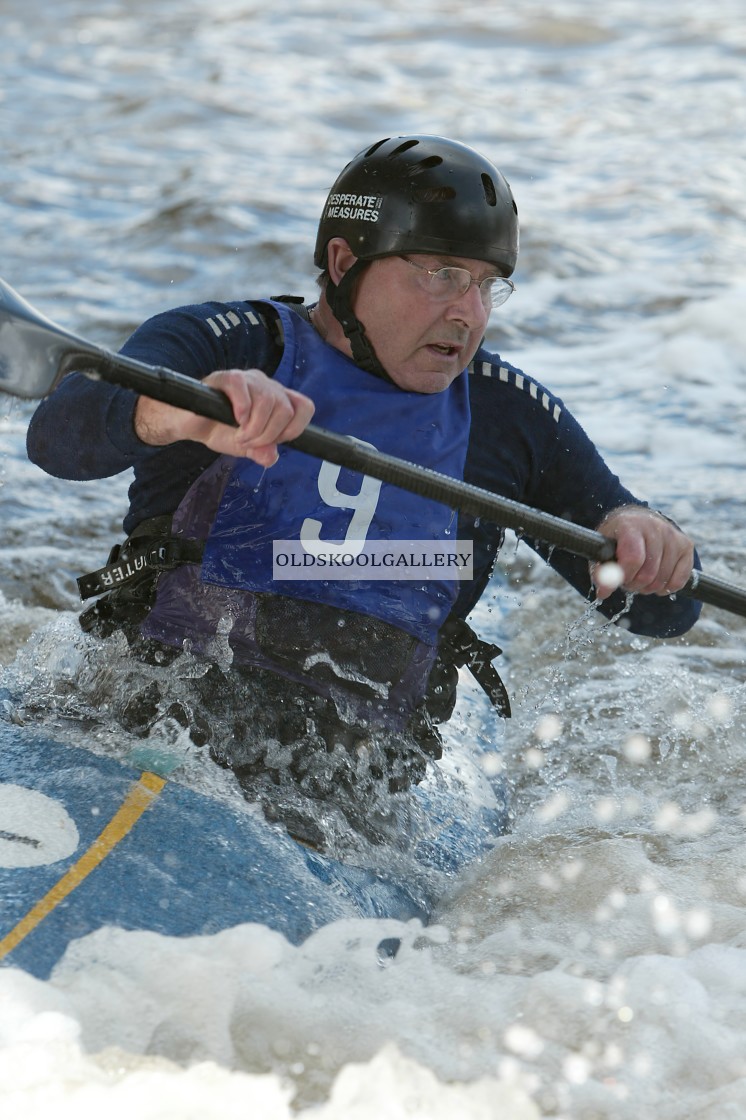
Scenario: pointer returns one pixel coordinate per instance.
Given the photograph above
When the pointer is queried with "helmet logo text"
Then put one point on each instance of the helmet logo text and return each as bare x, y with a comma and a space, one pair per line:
362, 207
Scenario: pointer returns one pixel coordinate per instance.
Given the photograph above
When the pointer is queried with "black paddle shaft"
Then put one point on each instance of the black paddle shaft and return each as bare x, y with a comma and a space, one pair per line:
35, 353
344, 451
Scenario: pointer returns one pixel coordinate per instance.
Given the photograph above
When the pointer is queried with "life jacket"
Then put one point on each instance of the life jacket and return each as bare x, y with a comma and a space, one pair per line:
370, 640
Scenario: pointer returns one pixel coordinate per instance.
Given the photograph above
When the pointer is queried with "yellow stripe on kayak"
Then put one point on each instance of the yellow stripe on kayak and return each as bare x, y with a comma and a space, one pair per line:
139, 798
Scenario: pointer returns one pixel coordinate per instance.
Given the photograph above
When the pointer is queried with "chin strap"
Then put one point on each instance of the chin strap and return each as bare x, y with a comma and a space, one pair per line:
338, 296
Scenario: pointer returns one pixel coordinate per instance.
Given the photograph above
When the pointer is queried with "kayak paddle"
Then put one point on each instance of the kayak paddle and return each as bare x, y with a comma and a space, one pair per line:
35, 353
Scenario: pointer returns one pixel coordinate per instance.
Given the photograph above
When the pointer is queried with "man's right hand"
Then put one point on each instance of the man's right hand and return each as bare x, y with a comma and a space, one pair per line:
267, 413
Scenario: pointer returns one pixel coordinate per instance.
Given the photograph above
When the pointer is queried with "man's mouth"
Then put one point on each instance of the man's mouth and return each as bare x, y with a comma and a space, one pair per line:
448, 350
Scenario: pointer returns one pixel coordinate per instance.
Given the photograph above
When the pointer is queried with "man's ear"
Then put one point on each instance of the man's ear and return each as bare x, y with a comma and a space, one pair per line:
340, 258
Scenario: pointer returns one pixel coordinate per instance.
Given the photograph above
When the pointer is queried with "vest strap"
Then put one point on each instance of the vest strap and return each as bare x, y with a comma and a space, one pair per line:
461, 646
295, 303
150, 549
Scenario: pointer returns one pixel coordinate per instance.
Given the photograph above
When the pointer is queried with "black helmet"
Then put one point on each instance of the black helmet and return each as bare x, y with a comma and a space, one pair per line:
422, 194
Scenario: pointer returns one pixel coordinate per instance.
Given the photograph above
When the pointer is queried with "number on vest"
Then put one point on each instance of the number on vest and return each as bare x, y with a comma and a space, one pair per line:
363, 506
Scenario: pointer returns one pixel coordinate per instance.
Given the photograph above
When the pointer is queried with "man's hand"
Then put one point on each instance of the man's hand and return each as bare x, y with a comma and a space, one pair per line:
266, 412
653, 556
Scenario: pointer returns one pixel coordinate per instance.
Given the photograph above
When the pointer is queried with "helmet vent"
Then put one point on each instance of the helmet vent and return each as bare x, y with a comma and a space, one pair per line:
376, 146
402, 148
489, 190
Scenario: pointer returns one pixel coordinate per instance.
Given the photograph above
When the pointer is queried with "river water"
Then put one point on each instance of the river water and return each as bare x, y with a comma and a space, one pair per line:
594, 966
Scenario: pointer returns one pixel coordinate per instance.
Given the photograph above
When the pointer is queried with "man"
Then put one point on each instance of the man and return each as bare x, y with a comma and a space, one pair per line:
417, 243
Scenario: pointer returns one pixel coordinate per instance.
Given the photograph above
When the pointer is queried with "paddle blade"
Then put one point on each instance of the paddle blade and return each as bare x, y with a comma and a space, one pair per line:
34, 351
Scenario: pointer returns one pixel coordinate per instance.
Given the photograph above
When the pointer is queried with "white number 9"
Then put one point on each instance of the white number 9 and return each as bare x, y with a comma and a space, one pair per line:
363, 504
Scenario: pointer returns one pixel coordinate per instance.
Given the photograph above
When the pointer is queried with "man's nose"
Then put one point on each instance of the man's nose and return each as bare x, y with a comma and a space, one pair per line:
470, 308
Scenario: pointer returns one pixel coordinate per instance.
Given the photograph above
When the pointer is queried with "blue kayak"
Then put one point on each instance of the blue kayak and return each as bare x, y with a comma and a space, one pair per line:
88, 841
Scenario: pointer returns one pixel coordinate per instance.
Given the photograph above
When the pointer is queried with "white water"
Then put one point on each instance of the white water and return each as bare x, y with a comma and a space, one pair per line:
595, 965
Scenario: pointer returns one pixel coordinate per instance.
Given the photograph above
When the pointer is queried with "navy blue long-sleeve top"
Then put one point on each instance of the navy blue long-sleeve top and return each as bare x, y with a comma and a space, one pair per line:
523, 444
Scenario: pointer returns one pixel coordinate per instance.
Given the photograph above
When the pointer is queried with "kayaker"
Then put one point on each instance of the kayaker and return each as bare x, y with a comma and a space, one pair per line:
416, 245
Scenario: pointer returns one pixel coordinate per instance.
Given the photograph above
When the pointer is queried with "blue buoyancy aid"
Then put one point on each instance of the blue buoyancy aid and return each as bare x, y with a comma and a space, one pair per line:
241, 510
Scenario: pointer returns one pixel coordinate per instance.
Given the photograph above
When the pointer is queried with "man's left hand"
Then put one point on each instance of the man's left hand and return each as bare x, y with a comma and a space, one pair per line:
653, 555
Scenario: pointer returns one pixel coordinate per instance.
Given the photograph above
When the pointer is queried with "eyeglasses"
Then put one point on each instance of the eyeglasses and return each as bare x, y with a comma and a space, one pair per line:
451, 283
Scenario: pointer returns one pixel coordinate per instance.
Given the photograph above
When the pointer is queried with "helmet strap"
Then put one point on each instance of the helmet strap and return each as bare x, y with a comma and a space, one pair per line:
339, 298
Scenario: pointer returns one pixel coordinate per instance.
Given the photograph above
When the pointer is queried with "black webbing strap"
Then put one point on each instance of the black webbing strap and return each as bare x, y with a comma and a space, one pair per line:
135, 558
295, 303
461, 646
